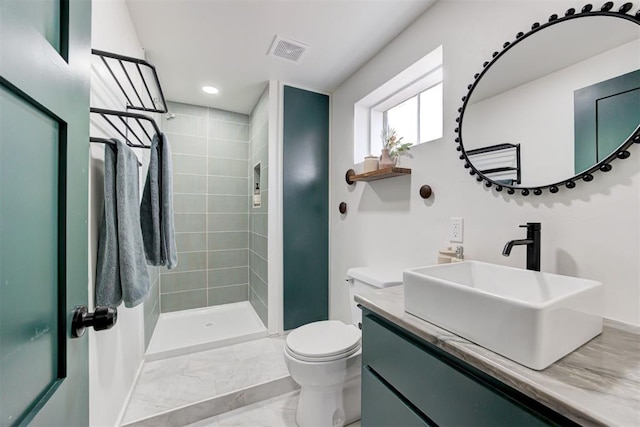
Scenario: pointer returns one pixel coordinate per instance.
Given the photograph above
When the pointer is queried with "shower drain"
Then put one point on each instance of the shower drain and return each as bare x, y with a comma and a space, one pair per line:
208, 325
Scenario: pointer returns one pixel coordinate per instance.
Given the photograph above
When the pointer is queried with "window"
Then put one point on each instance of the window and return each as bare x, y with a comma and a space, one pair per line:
411, 103
419, 118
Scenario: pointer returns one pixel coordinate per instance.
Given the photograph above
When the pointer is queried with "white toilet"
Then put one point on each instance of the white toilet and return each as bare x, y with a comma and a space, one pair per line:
325, 358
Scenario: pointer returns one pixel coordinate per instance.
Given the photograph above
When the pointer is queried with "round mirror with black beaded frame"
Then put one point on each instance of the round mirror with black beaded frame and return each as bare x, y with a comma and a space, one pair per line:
514, 183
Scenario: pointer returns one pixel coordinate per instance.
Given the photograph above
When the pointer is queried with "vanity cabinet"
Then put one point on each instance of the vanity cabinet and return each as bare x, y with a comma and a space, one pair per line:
410, 382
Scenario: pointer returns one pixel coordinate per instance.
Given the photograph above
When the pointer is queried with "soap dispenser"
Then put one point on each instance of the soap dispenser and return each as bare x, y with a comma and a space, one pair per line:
257, 198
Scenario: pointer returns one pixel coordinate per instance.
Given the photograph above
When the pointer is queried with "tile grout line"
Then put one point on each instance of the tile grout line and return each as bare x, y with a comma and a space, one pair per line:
206, 229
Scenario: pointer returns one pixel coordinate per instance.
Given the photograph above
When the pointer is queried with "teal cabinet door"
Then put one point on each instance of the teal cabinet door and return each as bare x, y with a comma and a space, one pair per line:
381, 407
438, 388
44, 142
606, 114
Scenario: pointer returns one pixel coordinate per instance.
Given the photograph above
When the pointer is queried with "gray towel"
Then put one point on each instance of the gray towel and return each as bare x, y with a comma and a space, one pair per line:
156, 209
121, 271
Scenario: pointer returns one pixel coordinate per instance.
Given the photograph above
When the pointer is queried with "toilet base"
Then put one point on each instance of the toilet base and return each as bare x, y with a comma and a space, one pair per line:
329, 406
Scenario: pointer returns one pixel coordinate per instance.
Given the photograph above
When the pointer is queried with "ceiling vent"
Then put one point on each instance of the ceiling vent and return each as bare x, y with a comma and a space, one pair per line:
287, 49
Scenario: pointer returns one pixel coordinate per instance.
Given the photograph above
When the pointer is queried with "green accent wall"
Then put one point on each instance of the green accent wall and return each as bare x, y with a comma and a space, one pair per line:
606, 114
305, 207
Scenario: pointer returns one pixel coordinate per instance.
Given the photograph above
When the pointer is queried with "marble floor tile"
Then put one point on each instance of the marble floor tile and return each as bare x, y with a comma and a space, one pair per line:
183, 380
275, 412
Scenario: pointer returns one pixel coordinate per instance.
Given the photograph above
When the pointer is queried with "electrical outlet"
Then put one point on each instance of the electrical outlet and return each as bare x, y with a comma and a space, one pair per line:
455, 229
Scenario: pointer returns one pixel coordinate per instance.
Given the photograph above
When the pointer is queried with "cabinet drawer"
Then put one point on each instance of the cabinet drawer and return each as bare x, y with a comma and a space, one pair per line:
381, 407
447, 394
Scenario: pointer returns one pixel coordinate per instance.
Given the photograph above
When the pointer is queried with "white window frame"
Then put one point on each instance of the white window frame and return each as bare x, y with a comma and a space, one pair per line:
369, 111
385, 122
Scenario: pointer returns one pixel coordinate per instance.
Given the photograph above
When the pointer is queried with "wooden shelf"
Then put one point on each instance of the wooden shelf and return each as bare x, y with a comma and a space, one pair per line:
351, 176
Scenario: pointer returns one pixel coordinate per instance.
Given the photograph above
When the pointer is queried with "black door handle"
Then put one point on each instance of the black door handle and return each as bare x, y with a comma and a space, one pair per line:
101, 319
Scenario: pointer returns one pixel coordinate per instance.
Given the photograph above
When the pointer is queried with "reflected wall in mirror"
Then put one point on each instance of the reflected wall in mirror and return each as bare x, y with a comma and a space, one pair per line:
556, 105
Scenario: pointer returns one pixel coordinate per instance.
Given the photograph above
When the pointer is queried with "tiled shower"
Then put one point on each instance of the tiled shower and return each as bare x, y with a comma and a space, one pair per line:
213, 175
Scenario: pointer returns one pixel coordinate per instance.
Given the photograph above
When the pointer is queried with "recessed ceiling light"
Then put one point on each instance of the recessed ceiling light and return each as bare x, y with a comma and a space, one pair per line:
210, 90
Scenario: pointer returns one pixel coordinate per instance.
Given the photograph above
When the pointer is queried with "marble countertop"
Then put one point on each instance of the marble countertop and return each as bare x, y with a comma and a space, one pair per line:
598, 384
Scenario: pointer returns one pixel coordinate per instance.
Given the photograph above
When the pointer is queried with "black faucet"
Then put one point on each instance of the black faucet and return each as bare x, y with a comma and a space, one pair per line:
533, 245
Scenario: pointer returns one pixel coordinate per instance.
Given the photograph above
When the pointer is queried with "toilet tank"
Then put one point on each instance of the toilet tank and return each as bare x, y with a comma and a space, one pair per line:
366, 279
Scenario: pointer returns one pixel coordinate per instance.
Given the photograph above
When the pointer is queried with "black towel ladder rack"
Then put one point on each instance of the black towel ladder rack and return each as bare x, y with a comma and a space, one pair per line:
131, 125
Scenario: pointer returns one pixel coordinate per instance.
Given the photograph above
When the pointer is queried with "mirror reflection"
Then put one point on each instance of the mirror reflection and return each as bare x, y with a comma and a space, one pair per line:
557, 103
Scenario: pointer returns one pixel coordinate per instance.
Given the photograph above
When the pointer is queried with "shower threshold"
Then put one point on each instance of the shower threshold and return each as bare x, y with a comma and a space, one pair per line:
188, 331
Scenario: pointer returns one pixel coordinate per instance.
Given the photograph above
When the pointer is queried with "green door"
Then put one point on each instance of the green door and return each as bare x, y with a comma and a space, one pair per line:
44, 141
606, 115
305, 190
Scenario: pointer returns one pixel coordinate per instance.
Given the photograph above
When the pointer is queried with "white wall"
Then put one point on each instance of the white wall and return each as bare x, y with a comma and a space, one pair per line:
592, 231
116, 355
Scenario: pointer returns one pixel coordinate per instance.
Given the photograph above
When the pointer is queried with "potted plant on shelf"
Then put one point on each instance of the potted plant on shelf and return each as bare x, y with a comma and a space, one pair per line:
392, 147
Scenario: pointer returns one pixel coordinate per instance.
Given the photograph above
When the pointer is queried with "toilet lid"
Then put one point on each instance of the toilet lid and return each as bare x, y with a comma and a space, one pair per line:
326, 340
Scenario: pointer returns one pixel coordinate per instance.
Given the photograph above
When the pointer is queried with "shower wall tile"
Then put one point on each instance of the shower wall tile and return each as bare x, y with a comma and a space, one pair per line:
260, 156
189, 184
228, 294
189, 261
228, 149
186, 144
226, 259
224, 185
264, 178
190, 223
189, 203
227, 130
211, 154
259, 138
259, 266
185, 281
259, 286
228, 240
188, 164
259, 306
227, 116
186, 125
258, 244
191, 242
228, 276
259, 223
228, 167
228, 222
187, 109
183, 300
227, 204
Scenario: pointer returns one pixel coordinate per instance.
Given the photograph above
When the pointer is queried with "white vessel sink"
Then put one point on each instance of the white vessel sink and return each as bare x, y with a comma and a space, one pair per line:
527, 316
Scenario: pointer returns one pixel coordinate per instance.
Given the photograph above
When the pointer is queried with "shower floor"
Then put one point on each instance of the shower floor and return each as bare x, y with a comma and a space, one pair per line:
188, 331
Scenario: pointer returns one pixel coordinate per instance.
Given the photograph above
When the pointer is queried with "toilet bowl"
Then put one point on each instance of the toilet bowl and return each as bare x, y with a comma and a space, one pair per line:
325, 359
